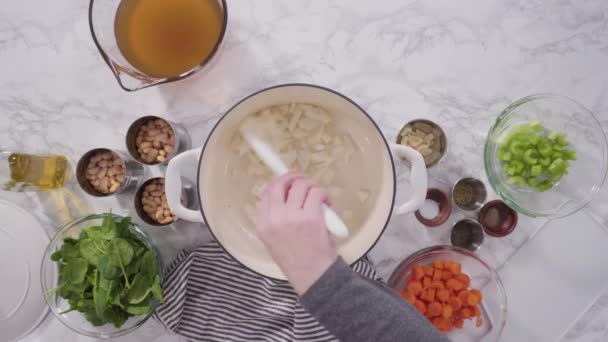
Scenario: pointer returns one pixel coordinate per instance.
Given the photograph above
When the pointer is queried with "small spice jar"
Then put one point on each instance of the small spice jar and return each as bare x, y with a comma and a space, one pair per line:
426, 137
469, 194
436, 208
468, 234
497, 218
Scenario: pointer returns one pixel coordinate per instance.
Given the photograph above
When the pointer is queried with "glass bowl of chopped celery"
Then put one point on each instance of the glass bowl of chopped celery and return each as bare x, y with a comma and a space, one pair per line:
546, 156
101, 276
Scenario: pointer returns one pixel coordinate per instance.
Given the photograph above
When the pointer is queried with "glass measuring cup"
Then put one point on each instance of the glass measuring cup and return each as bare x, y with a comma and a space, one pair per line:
102, 15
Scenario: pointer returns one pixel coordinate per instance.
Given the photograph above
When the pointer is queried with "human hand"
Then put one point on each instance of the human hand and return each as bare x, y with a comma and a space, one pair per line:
291, 225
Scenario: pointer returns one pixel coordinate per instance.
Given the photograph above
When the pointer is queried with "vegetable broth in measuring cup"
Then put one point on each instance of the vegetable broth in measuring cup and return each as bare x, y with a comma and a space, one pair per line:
163, 38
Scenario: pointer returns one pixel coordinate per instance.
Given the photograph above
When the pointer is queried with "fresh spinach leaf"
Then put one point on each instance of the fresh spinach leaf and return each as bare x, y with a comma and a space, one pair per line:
75, 270
138, 309
56, 256
122, 228
119, 252
134, 267
93, 318
91, 251
148, 264
118, 317
101, 233
70, 251
140, 289
156, 289
106, 269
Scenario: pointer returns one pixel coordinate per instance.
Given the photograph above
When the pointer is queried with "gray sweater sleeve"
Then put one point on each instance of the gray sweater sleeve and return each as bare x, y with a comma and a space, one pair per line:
357, 309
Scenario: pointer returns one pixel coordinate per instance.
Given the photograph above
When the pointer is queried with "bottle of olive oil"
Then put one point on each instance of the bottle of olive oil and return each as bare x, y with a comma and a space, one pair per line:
30, 172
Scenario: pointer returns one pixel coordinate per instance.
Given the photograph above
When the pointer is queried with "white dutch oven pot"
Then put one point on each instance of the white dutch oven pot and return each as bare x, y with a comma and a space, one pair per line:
222, 183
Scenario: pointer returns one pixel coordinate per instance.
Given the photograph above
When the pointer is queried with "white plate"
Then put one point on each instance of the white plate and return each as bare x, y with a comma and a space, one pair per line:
22, 245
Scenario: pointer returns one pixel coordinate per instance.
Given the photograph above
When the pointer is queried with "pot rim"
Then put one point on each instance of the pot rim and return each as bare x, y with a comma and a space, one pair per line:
283, 85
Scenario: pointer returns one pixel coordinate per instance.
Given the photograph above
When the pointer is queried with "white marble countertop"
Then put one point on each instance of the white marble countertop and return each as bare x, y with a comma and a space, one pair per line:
457, 63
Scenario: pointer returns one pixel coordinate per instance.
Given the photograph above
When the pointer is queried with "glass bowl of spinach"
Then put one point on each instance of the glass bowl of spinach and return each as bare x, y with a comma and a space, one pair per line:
101, 276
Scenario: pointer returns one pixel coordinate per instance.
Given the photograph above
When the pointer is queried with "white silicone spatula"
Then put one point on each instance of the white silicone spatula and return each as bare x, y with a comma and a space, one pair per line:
334, 223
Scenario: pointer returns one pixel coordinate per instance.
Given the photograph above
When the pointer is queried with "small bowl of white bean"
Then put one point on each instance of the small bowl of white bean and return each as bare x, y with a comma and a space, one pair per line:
151, 202
152, 140
102, 172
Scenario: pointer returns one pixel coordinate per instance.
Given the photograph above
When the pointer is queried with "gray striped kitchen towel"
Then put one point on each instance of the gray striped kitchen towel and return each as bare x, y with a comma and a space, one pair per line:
211, 297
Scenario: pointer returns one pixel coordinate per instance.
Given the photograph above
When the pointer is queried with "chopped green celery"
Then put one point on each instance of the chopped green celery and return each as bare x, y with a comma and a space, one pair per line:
569, 155
545, 161
535, 138
536, 170
556, 177
535, 125
557, 155
504, 155
519, 180
517, 148
544, 148
557, 167
553, 135
561, 140
544, 185
557, 148
530, 157
533, 181
508, 169
517, 165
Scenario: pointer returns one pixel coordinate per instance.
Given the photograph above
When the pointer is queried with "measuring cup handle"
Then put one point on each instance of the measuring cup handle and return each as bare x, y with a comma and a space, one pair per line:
173, 185
418, 178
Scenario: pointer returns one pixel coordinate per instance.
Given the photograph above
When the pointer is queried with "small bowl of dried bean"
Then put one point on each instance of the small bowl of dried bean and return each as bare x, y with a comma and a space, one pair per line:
102, 172
426, 137
151, 203
152, 140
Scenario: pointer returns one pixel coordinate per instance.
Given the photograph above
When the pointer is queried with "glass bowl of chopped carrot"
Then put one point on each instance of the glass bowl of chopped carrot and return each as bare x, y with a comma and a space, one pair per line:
457, 292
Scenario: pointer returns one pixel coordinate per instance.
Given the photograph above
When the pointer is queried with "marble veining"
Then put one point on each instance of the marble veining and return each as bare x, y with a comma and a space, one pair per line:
457, 63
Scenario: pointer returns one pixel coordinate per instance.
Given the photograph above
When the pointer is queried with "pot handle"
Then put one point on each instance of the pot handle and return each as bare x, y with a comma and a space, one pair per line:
418, 178
173, 185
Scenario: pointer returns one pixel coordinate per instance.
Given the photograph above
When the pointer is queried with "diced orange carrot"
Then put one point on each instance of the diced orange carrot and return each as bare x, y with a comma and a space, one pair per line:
457, 315
437, 274
420, 306
430, 294
478, 294
443, 324
434, 309
463, 279
443, 295
453, 284
462, 295
472, 299
418, 272
437, 284
426, 282
455, 303
455, 268
467, 313
459, 323
415, 287
438, 264
445, 275
428, 271
479, 322
410, 297
447, 311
